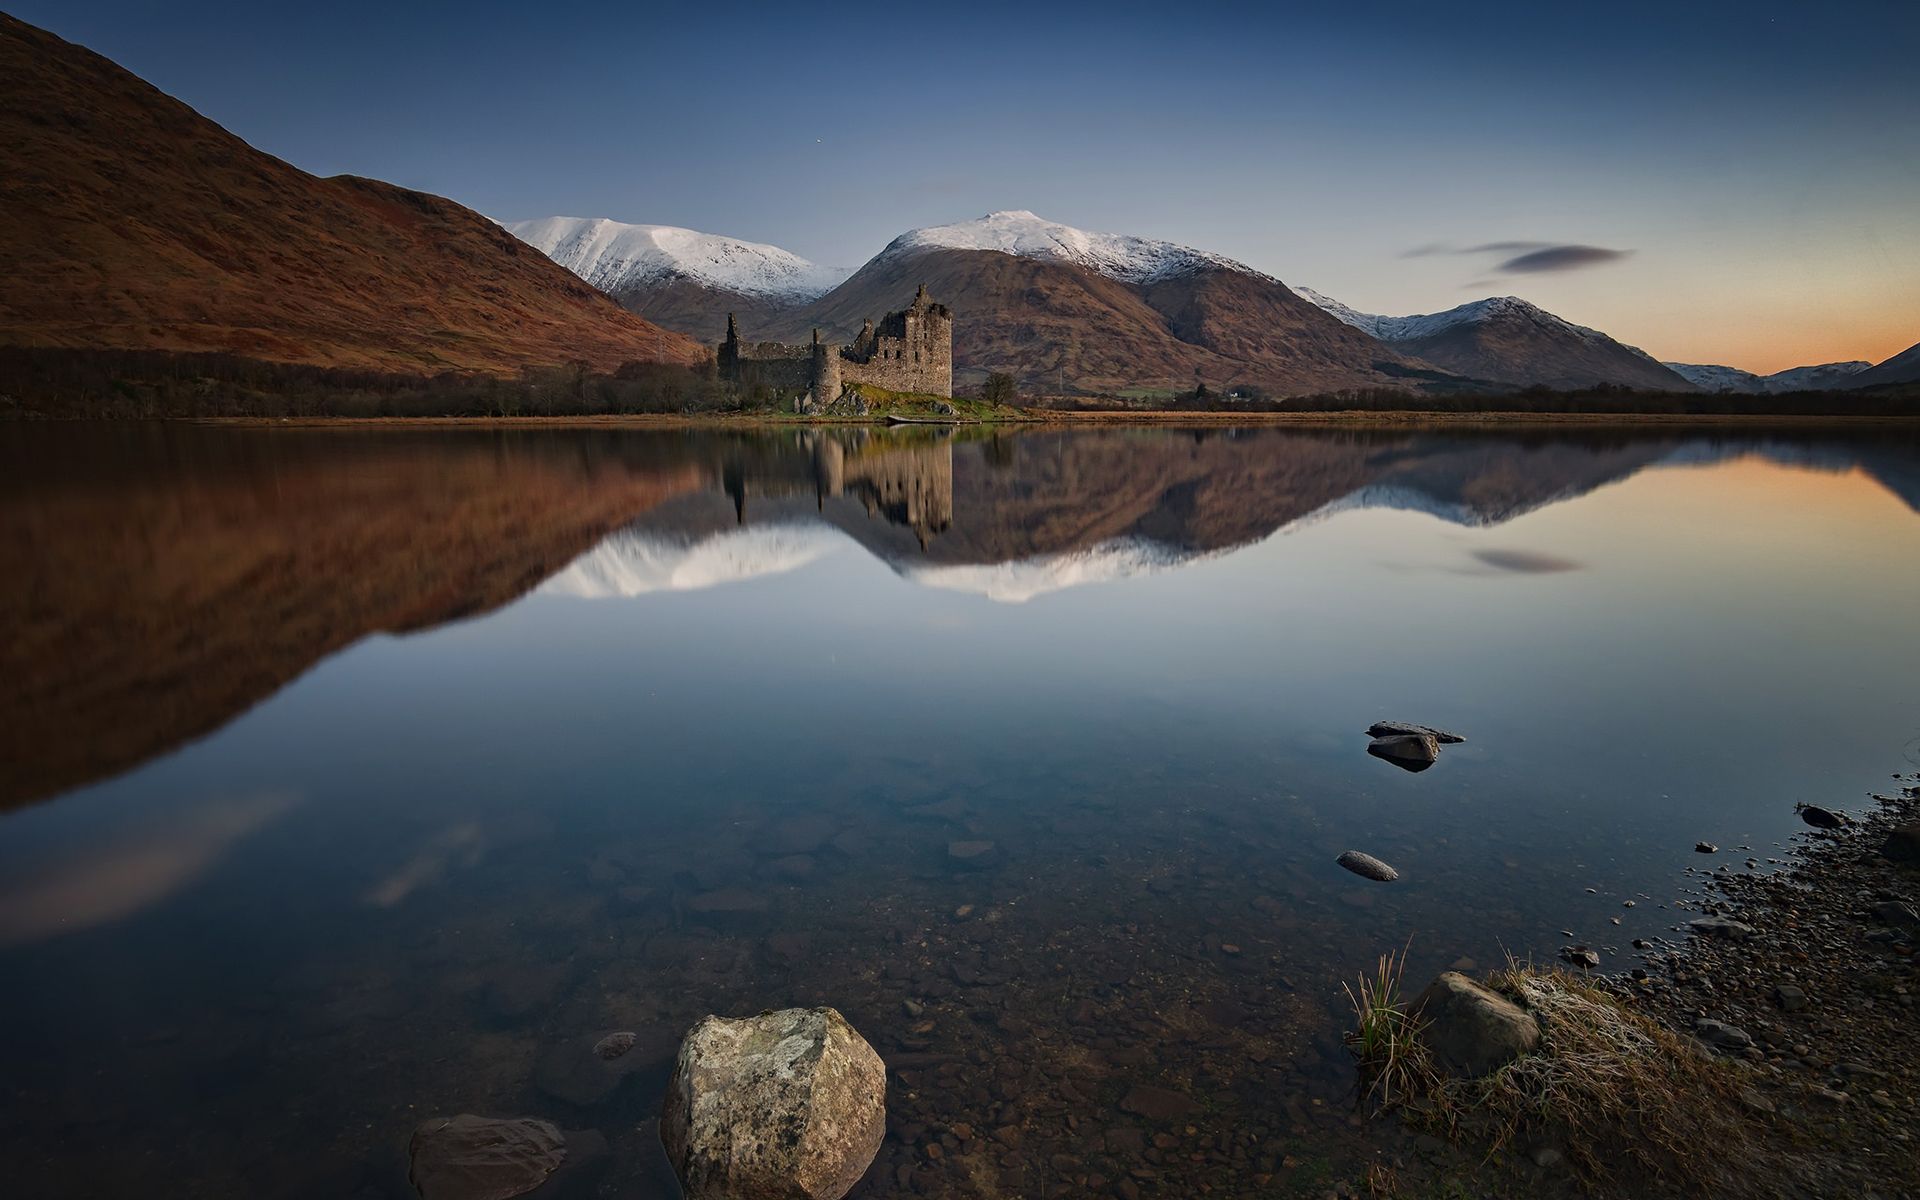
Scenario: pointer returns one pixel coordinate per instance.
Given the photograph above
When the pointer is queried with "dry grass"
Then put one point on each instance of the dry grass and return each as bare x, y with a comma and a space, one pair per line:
1620, 1094
1394, 1065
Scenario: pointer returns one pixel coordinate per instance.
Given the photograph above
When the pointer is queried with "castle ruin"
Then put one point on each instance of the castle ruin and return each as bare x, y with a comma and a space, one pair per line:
911, 351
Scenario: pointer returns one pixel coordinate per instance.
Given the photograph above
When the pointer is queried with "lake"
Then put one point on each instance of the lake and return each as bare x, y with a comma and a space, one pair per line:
353, 777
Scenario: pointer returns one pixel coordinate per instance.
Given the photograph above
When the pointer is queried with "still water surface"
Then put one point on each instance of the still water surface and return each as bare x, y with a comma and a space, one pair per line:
355, 778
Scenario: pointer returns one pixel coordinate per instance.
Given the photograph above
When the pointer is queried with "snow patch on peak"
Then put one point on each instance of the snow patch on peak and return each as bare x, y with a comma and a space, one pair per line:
1024, 235
1400, 329
1712, 378
615, 257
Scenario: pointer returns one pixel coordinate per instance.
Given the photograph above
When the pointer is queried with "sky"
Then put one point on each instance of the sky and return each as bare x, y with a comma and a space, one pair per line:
1734, 183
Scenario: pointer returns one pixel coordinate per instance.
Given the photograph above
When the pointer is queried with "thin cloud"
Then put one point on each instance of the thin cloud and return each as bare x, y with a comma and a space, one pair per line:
1560, 258
1529, 258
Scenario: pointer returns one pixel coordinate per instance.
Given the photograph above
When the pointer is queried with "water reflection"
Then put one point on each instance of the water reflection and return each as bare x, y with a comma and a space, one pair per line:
1042, 853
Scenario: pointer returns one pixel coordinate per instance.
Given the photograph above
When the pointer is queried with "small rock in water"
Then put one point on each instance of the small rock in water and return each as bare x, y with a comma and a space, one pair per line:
1820, 818
726, 900
1408, 751
972, 854
481, 1158
1706, 847
614, 1045
1367, 866
1581, 956
1390, 728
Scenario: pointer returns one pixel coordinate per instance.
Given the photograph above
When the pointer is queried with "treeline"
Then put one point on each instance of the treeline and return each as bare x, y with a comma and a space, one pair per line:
134, 384
1601, 399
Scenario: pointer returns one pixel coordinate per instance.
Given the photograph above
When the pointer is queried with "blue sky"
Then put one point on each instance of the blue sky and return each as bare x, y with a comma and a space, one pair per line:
1757, 164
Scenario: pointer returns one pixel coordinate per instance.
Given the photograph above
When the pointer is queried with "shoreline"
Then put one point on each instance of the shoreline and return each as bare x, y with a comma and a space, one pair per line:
1818, 971
1042, 419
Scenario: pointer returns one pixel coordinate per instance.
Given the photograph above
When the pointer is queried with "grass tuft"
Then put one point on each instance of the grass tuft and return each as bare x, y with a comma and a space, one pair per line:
1616, 1091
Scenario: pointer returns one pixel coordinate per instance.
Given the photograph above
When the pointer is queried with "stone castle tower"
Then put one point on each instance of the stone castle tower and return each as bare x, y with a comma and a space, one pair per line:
910, 351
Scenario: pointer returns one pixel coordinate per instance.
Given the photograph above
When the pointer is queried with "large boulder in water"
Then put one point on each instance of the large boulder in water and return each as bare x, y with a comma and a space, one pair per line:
483, 1158
1409, 751
1470, 1029
787, 1105
1393, 728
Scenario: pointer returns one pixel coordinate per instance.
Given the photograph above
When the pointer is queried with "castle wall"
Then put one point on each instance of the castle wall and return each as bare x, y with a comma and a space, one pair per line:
912, 351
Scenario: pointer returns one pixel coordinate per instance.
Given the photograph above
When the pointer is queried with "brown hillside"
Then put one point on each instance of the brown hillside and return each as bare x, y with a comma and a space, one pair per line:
1515, 347
1061, 328
129, 221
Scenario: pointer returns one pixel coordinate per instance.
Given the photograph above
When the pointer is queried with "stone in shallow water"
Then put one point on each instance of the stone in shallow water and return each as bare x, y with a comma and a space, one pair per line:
1470, 1029
1903, 844
787, 1105
481, 1158
1367, 866
726, 900
581, 1071
972, 854
1158, 1103
1408, 751
1390, 728
614, 1045
1821, 818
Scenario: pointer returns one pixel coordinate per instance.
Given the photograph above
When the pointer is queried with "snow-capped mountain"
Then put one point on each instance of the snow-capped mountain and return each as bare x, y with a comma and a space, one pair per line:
1794, 379
1507, 341
616, 258
1067, 311
1024, 235
679, 278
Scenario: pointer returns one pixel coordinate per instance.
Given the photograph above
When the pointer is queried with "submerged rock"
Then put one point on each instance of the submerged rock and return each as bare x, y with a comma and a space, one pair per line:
1157, 1103
1408, 751
586, 1070
972, 854
1821, 818
1368, 866
727, 900
1470, 1029
1390, 728
787, 1105
483, 1158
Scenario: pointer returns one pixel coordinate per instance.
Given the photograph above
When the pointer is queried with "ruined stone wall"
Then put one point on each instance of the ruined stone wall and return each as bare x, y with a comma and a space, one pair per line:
912, 351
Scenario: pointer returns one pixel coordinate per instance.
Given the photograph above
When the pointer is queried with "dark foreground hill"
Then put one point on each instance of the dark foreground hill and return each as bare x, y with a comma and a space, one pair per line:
129, 221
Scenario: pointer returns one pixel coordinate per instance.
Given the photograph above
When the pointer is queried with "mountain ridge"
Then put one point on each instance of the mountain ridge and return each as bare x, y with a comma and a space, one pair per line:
130, 221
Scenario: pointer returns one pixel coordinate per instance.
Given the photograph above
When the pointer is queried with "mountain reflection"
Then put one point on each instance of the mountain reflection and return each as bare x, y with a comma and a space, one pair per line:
164, 579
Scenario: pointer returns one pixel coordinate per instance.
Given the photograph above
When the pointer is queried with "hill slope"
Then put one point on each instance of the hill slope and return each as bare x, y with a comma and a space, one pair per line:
1903, 367
129, 221
1507, 341
681, 279
1819, 377
1064, 310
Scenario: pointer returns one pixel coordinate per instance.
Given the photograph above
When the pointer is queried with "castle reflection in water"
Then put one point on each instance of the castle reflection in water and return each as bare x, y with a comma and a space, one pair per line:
910, 484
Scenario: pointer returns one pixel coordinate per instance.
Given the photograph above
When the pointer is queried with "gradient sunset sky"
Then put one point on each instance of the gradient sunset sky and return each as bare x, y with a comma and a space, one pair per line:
1731, 183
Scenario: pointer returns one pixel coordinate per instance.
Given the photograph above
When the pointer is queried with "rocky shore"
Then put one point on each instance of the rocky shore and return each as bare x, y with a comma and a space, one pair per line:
1806, 974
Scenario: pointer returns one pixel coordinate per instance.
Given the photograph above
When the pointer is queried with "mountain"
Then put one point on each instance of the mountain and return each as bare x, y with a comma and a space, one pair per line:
1064, 310
130, 221
1903, 367
678, 278
1794, 379
1506, 341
